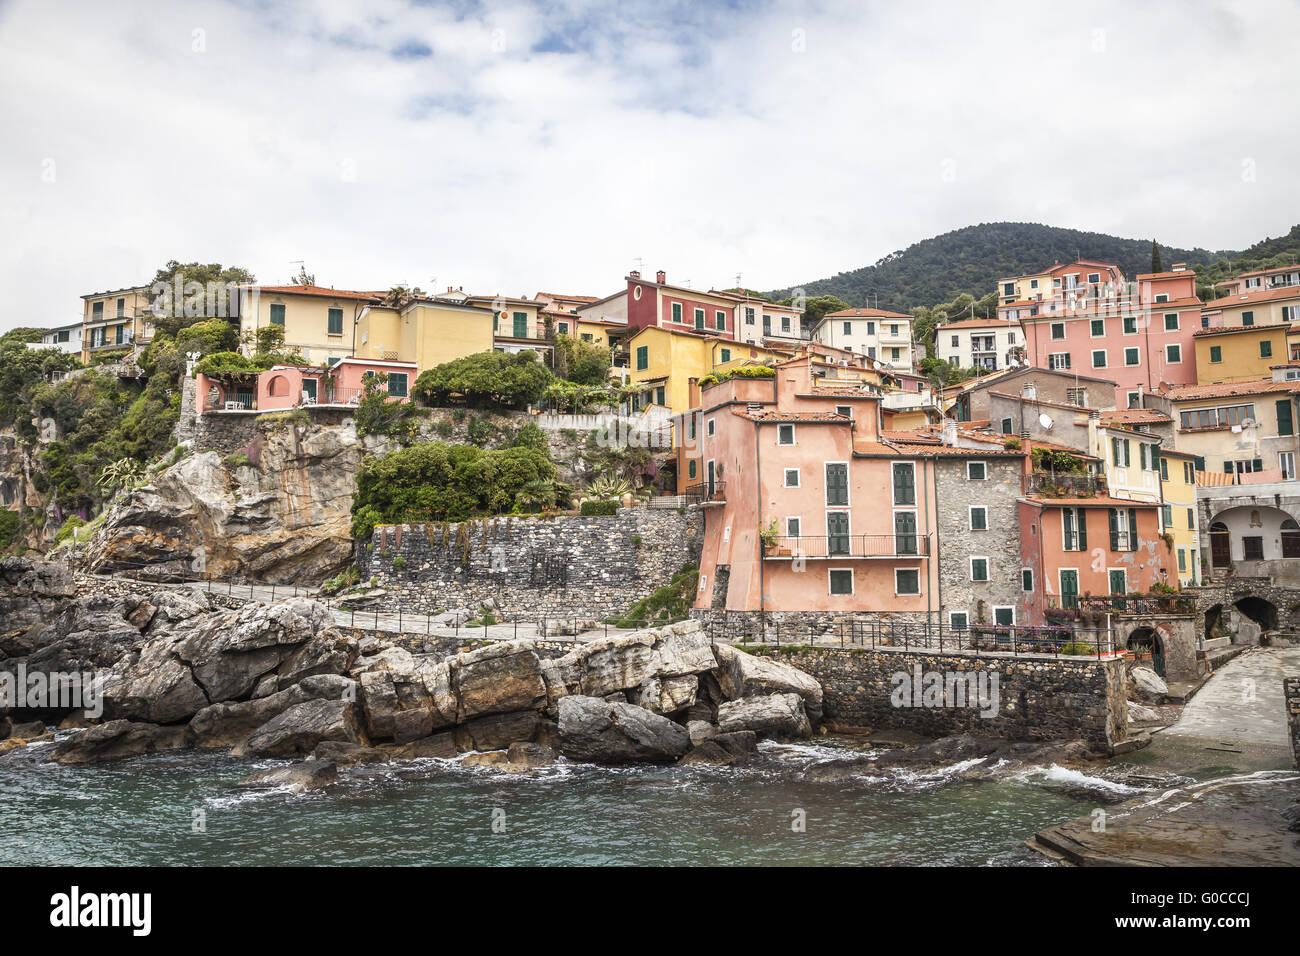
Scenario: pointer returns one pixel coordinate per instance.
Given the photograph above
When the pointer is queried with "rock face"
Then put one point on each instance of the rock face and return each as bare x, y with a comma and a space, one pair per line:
118, 739
283, 517
747, 675
300, 728
594, 730
780, 716
30, 593
299, 777
1145, 685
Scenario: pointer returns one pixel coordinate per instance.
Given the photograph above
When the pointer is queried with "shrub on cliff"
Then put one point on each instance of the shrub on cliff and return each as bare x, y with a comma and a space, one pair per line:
672, 602
435, 481
485, 380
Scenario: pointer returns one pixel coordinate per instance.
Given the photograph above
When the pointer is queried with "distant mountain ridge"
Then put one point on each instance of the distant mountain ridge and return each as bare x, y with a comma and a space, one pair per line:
972, 260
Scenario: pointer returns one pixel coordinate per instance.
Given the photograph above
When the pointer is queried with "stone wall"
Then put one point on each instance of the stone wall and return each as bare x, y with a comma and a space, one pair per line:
800, 627
568, 565
1000, 543
1038, 698
229, 432
1291, 691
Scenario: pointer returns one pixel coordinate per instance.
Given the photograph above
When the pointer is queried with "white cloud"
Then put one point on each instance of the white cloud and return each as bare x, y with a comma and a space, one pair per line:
698, 139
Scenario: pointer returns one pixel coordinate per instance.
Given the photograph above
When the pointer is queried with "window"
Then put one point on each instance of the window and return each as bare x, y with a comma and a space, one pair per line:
121, 308
1011, 338
956, 341
893, 329
1098, 358
792, 477
1217, 417
848, 329
1162, 297
905, 532
1248, 318
1074, 529
397, 384
720, 320
1098, 328
1169, 516
277, 314
709, 427
642, 357
1130, 325
726, 355
1131, 356
1265, 349
907, 581
904, 483
520, 322
563, 327
837, 532
1191, 519
979, 518
841, 580
1118, 581
979, 569
1056, 360
677, 312
785, 323
96, 311
895, 354
1134, 400
1173, 354
1120, 452
1216, 353
1006, 426
1123, 529
1291, 313
785, 434
749, 316
837, 483
976, 471
659, 396
1182, 559
699, 318
1026, 579
1171, 321
335, 320
845, 410
1164, 467
691, 468
1286, 462
1076, 396
957, 620
1069, 588
1094, 278
586, 336
1252, 548
1058, 330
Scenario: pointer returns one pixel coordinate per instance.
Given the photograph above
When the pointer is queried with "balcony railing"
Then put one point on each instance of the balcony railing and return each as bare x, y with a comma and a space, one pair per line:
707, 493
1050, 485
849, 546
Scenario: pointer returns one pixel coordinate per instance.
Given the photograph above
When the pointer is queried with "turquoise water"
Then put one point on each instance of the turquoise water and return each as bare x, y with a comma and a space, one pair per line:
431, 812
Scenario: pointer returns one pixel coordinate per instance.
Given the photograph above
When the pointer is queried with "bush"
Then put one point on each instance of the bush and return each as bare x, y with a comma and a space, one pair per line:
589, 508
1078, 649
69, 528
485, 380
399, 563
672, 602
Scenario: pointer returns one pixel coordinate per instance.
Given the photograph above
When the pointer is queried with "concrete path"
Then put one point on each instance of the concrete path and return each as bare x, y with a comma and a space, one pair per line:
1241, 706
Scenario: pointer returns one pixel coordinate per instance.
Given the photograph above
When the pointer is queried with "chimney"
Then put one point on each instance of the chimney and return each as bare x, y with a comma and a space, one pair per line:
661, 277
950, 433
634, 274
1180, 266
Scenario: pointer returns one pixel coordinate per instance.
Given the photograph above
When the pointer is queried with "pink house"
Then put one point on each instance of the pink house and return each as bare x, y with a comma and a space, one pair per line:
805, 509
675, 307
294, 386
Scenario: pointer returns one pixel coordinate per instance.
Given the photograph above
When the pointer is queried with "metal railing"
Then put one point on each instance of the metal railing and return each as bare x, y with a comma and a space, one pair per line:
908, 545
706, 491
1059, 485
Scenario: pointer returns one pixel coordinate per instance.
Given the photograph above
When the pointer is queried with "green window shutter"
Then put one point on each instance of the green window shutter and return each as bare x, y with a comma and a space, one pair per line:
1164, 469
397, 384
1132, 529
677, 311
1199, 464
726, 355
659, 396
1098, 326
1265, 349
335, 322
690, 468
521, 325
1114, 445
642, 357
837, 484
699, 318
496, 322
1285, 425
1130, 324
837, 533
904, 485
1114, 529
721, 318
1227, 468
1258, 464
1128, 457
1169, 516
1082, 522
1216, 353
277, 315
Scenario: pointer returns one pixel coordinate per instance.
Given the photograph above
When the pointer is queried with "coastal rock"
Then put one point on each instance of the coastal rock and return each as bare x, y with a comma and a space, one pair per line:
598, 732
300, 728
722, 750
28, 731
31, 593
779, 716
12, 743
1145, 685
441, 746
700, 731
299, 777
343, 753
118, 739
227, 724
497, 679
529, 755
740, 674
498, 731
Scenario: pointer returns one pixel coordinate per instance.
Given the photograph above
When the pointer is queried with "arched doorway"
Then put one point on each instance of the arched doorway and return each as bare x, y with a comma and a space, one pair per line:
1146, 646
1214, 622
1220, 545
1290, 538
1260, 611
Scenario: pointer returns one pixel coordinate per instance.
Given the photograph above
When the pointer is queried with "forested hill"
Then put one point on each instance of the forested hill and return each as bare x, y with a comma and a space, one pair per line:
971, 260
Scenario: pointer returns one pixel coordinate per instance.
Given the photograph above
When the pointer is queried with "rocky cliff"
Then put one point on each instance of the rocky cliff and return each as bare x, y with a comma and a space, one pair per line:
277, 511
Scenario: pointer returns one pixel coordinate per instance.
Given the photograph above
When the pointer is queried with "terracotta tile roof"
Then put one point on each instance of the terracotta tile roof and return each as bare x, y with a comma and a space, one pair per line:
1176, 274
1259, 295
778, 416
1230, 329
317, 290
951, 451
568, 298
1186, 393
1134, 415
979, 324
867, 314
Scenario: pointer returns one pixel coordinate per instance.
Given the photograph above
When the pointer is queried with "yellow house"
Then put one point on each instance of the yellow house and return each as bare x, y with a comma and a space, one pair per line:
1239, 353
114, 320
319, 323
1255, 306
664, 362
427, 332
1178, 487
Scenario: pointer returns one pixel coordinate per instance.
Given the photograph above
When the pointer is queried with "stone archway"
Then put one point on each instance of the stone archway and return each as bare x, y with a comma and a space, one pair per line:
1259, 610
1214, 622
1146, 645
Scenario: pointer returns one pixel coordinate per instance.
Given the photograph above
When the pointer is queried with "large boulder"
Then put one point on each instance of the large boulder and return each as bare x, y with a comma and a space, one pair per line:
30, 593
498, 679
593, 730
722, 750
779, 716
118, 739
298, 777
300, 728
1145, 685
747, 675
228, 724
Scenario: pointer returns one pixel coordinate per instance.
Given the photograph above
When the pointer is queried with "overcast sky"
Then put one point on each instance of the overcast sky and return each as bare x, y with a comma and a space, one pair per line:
516, 147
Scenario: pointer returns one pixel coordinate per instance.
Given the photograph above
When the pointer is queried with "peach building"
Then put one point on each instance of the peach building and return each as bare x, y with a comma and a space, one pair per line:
284, 387
805, 508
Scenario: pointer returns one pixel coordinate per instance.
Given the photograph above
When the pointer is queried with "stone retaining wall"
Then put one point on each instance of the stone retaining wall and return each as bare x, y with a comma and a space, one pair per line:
1291, 690
1037, 698
565, 566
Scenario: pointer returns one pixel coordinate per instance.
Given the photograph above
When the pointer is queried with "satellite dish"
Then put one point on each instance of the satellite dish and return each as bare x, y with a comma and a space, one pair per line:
1045, 420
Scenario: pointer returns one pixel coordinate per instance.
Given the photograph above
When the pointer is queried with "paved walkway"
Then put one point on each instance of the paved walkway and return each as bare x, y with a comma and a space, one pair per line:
1241, 706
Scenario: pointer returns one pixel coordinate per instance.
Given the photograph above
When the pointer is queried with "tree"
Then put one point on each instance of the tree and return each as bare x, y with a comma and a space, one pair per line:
211, 335
1156, 265
584, 363
184, 293
818, 306
304, 277
484, 380
400, 295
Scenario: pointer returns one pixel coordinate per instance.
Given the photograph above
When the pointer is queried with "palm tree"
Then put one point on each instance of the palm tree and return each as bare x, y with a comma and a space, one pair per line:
400, 295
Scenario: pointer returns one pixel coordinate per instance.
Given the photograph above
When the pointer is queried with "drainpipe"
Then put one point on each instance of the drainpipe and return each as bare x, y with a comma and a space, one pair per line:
758, 480
933, 480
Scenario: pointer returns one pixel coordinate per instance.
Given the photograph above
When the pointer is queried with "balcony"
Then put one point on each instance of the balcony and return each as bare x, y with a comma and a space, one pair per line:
849, 546
706, 493
1047, 484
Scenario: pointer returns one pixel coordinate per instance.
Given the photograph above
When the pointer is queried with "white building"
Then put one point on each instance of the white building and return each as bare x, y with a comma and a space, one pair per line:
760, 322
65, 338
979, 343
875, 333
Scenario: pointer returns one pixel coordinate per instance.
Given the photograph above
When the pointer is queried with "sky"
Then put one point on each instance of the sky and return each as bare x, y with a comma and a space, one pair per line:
512, 147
